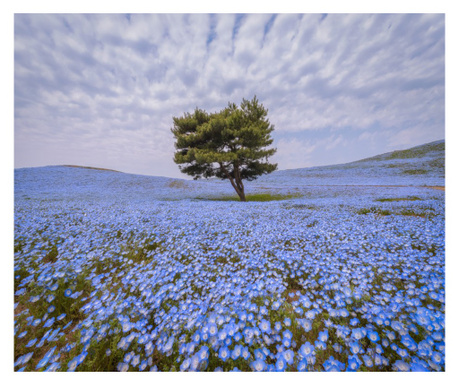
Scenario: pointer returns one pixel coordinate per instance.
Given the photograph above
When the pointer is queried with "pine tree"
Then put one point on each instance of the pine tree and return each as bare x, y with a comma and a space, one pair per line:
230, 144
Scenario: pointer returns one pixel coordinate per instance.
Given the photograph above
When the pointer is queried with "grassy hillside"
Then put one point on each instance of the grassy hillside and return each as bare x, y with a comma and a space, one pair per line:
418, 166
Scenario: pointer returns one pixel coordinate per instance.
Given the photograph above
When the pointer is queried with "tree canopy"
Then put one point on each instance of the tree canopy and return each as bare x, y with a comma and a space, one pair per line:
229, 144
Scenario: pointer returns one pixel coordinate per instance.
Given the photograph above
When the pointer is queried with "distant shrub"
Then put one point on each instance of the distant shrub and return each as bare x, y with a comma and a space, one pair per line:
413, 198
417, 171
418, 152
373, 210
266, 197
437, 163
176, 184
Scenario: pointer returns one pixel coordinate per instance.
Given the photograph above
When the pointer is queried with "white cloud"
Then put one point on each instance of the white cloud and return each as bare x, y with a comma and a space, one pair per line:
106, 77
294, 153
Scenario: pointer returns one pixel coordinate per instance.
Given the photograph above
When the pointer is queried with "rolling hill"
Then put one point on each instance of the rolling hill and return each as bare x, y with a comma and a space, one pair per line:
418, 166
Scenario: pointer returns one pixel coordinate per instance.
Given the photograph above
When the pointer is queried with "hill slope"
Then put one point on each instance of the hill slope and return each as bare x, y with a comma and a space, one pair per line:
419, 166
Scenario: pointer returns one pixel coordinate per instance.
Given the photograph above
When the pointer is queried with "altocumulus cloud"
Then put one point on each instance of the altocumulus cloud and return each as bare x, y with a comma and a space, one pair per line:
101, 90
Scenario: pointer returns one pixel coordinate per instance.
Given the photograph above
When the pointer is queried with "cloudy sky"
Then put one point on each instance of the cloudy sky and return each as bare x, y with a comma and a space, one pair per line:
101, 90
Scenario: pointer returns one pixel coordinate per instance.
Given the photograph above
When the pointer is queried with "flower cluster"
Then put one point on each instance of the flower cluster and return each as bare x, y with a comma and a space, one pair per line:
130, 282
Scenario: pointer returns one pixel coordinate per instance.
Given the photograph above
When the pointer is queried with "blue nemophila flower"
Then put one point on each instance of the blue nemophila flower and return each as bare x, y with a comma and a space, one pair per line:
424, 349
403, 353
195, 362
354, 322
222, 334
306, 349
34, 298
122, 367
437, 336
333, 365
437, 358
286, 342
367, 360
31, 343
223, 353
302, 365
24, 359
245, 353
358, 333
46, 358
213, 328
401, 366
310, 314
419, 366
265, 326
258, 365
323, 336
236, 352
204, 336
123, 344
288, 356
50, 298
305, 324
373, 336
196, 337
20, 291
287, 334
259, 354
126, 326
355, 347
127, 357
337, 348
281, 364
277, 326
169, 344
22, 334
36, 322
53, 367
185, 364
353, 363
203, 352
409, 342
321, 345
143, 365
54, 287
49, 322
190, 348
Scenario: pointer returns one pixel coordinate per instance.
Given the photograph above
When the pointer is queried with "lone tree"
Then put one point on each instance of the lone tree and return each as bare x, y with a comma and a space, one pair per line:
230, 144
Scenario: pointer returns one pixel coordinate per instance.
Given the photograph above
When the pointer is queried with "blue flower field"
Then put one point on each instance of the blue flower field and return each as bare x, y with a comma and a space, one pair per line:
339, 268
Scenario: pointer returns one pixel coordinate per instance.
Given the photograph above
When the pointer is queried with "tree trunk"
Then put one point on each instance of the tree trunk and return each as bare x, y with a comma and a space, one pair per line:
241, 195
240, 186
235, 182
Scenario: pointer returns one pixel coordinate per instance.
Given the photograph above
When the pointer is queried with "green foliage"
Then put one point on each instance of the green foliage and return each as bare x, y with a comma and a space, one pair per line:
229, 144
415, 172
255, 197
413, 198
373, 210
417, 152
